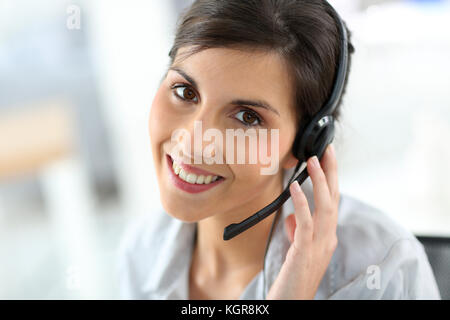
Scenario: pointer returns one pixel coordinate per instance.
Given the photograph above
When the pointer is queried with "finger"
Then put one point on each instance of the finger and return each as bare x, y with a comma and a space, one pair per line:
304, 230
325, 221
290, 225
322, 197
329, 167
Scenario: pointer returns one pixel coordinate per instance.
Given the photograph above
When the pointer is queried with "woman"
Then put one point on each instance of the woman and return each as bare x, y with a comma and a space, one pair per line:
263, 65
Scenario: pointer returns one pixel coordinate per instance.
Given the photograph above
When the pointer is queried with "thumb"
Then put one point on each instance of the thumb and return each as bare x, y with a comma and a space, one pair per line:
290, 225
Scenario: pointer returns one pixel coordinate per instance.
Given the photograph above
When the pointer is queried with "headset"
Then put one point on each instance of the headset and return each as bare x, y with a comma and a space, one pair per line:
312, 139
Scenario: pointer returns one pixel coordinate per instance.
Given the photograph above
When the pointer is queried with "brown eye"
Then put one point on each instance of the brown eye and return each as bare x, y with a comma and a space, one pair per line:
185, 93
248, 118
188, 94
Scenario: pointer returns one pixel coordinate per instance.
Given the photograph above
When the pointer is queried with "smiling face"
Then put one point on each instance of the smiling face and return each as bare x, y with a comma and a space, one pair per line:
224, 89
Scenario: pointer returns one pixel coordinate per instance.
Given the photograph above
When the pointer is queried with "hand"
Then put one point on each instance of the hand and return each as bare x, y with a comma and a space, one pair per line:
313, 238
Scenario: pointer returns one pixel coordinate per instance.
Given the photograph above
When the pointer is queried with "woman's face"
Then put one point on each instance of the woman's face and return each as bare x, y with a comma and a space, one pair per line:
210, 87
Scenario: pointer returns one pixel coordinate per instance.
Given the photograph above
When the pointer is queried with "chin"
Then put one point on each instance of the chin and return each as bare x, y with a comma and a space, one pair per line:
181, 211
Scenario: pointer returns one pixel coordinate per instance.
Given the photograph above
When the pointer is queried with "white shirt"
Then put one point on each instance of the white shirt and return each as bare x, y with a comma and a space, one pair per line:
376, 258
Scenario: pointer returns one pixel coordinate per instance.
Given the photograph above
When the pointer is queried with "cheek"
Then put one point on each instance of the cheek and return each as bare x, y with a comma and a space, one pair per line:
285, 145
246, 172
159, 120
275, 147
249, 176
275, 150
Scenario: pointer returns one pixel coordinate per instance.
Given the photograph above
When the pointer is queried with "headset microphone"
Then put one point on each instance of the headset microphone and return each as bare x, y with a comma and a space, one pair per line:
310, 140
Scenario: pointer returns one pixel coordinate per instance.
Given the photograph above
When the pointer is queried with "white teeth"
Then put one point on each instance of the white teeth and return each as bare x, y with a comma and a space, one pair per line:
200, 179
182, 174
176, 168
192, 177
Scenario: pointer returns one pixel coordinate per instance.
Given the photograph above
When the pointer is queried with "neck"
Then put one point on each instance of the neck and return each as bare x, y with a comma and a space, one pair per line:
244, 252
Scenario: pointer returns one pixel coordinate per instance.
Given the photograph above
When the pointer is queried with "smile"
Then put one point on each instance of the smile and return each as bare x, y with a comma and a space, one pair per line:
191, 179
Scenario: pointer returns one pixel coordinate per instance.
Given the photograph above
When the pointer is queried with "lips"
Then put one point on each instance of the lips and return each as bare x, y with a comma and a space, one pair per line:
191, 179
193, 170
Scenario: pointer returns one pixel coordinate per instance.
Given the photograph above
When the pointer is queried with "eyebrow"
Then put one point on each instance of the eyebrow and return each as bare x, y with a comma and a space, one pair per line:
245, 102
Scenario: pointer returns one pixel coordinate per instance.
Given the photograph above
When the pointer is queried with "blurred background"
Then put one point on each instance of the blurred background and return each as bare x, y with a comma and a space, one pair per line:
77, 79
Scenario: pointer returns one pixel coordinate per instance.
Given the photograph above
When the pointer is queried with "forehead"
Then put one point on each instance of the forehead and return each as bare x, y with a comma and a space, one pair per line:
239, 74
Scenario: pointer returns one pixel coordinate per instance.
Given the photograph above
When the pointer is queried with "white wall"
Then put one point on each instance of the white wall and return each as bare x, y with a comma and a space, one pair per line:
130, 42
394, 149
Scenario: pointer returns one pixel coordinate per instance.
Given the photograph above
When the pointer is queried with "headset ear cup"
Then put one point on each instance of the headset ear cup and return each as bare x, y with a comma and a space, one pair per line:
322, 140
314, 139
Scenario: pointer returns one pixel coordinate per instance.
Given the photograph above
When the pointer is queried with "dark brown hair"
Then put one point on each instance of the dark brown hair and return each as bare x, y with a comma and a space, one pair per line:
303, 32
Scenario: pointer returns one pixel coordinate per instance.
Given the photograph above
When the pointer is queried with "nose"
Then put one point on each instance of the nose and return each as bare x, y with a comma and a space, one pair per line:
198, 143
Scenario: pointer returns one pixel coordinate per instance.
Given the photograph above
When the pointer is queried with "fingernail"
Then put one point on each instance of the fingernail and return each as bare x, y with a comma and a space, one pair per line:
315, 162
332, 149
296, 187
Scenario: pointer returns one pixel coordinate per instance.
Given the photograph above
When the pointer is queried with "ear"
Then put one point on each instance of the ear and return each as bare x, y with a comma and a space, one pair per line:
290, 161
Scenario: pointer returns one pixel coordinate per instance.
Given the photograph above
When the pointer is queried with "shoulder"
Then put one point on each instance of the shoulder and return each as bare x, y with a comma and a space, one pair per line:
150, 246
363, 226
145, 232
377, 257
